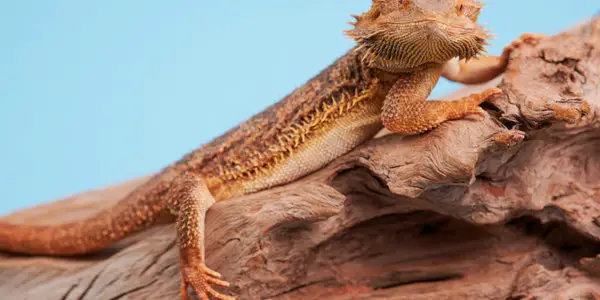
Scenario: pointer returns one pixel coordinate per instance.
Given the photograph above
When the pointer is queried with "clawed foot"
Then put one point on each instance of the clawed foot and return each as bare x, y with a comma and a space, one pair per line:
466, 106
486, 95
200, 278
571, 115
524, 39
473, 101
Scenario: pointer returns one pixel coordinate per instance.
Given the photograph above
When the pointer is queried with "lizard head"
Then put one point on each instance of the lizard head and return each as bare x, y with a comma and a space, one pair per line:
403, 35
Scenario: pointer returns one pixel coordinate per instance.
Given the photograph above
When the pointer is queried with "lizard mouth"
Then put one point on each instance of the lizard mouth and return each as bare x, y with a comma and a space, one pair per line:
408, 45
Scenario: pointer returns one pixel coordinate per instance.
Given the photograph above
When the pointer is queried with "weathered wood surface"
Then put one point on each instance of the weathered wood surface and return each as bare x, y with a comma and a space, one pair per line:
501, 207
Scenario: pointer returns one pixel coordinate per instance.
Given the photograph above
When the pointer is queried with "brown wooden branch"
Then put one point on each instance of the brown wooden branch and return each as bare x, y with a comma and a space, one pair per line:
501, 207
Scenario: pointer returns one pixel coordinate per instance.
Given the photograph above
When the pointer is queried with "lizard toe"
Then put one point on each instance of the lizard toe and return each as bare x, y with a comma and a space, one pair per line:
201, 279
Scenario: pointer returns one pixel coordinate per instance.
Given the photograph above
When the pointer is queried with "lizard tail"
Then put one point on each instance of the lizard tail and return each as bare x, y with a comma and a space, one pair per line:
65, 239
76, 238
132, 214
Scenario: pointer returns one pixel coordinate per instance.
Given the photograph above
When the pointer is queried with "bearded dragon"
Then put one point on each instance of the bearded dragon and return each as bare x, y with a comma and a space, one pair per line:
403, 47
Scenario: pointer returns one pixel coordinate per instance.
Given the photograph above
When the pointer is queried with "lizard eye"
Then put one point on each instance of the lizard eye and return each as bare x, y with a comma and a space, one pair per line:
460, 6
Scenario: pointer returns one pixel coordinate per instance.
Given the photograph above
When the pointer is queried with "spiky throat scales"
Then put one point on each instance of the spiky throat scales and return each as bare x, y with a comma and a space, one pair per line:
404, 36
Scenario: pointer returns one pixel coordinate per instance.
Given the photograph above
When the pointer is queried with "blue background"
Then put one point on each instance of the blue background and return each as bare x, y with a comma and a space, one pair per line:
93, 93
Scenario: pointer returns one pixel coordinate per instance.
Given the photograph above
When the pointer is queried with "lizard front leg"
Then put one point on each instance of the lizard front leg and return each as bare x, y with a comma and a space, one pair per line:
190, 200
483, 69
406, 111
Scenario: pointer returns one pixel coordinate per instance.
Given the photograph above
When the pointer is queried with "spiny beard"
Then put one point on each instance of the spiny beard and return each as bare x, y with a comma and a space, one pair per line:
405, 47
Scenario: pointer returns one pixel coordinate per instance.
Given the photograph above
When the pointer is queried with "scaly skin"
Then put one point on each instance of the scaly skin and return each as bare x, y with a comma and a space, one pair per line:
403, 49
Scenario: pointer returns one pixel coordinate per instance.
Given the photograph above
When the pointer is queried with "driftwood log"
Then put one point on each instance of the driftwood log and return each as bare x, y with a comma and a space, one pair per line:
501, 207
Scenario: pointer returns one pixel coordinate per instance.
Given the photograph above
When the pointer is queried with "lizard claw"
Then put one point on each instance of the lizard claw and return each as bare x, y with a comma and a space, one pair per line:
470, 104
478, 99
487, 94
525, 39
201, 279
466, 106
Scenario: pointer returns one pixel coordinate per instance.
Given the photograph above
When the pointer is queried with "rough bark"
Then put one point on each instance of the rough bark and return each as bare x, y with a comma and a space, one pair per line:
501, 207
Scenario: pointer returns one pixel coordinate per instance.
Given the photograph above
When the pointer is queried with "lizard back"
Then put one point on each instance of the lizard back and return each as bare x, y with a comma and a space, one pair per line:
296, 135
